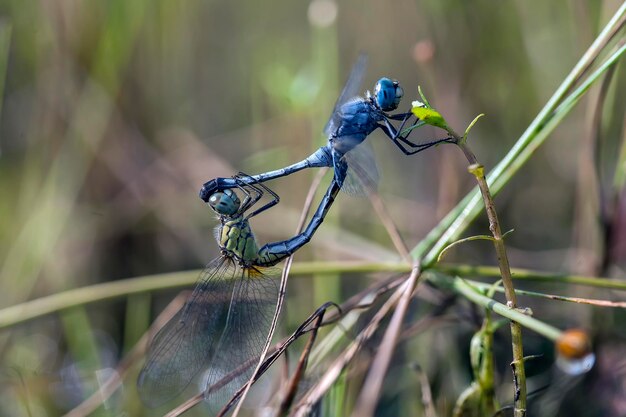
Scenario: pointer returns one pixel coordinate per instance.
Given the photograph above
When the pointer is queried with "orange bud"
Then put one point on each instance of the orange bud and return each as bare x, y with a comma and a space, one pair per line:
573, 344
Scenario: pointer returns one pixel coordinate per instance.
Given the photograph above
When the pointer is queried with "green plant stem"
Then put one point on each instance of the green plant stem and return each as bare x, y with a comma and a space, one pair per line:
517, 364
530, 275
494, 227
519, 373
458, 219
578, 300
6, 30
33, 309
557, 108
370, 392
461, 287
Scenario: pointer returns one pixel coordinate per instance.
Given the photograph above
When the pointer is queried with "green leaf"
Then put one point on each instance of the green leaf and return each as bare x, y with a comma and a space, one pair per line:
429, 116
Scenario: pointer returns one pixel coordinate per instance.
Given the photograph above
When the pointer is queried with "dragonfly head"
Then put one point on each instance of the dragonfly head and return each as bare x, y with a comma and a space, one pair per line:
225, 203
387, 94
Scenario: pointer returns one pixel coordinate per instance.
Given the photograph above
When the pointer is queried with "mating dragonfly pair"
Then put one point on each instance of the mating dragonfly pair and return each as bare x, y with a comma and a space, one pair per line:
225, 321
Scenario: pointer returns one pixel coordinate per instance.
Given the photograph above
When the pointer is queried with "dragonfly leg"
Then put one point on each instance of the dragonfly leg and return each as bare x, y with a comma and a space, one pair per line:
400, 116
405, 118
423, 146
248, 188
252, 193
402, 142
275, 199
404, 139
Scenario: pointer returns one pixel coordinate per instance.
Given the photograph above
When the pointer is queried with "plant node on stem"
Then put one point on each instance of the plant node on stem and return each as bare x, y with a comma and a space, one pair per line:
430, 116
519, 375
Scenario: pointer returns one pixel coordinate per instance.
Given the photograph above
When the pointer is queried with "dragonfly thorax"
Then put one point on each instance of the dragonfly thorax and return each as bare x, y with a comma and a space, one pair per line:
237, 241
359, 118
387, 94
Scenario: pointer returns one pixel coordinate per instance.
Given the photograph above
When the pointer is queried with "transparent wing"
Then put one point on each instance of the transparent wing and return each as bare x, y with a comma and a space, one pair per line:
252, 308
186, 343
350, 89
363, 175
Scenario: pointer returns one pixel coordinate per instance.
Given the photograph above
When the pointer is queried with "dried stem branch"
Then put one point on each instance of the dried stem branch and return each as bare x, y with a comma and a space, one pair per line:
519, 374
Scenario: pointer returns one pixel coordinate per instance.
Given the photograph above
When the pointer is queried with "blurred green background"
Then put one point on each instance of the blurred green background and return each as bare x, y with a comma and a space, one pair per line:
114, 113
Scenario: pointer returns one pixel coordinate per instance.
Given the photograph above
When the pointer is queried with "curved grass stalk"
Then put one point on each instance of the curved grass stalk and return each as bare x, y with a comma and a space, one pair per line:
29, 310
282, 291
462, 287
577, 300
530, 275
368, 398
557, 107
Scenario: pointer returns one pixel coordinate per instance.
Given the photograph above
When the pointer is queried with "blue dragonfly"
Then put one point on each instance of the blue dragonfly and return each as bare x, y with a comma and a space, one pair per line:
353, 119
224, 323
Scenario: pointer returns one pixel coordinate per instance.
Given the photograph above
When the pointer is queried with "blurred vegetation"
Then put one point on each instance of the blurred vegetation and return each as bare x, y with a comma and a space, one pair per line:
115, 112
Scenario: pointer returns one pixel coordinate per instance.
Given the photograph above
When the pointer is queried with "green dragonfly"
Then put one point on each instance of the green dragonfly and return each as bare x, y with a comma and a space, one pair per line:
226, 320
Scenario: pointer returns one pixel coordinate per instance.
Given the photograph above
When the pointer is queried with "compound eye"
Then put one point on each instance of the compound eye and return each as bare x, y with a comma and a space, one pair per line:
215, 199
224, 203
399, 91
385, 93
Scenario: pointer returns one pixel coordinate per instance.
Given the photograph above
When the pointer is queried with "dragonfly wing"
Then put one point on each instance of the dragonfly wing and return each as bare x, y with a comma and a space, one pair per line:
363, 175
350, 90
252, 308
185, 344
